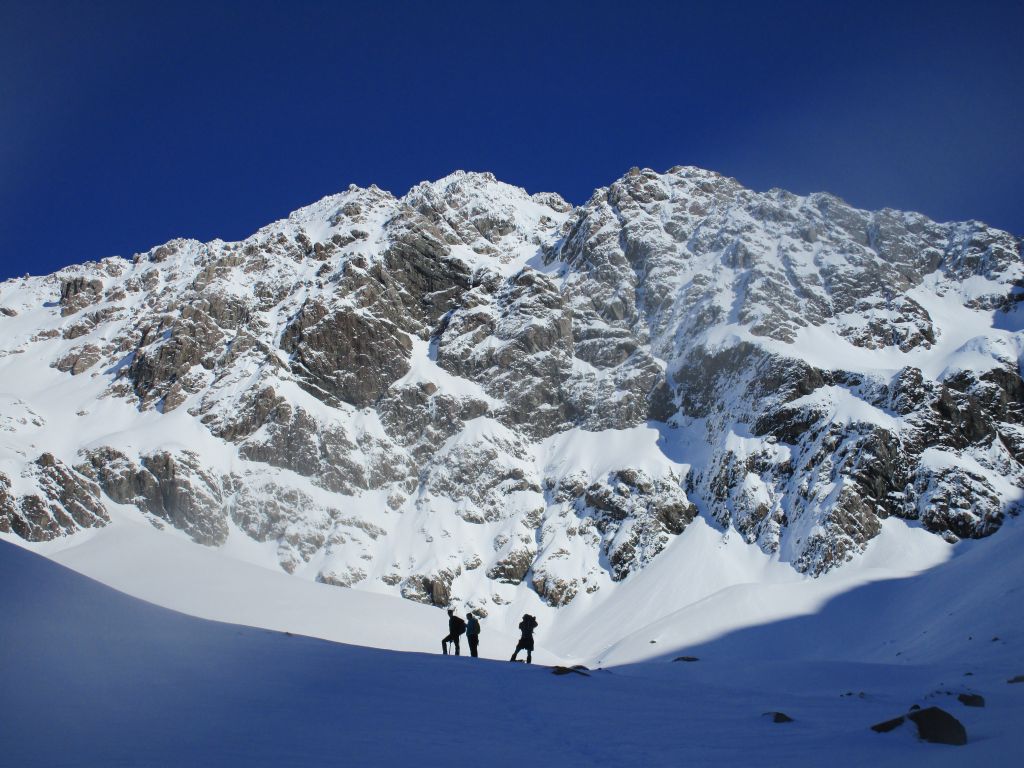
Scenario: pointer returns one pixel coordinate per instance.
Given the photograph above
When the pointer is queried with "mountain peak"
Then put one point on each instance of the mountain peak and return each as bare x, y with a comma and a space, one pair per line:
379, 394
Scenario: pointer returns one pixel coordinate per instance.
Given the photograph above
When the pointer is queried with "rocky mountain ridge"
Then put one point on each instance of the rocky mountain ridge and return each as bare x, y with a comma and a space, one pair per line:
470, 391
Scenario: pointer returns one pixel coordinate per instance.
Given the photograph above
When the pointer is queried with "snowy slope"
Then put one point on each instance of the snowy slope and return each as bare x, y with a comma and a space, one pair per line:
703, 587
95, 678
230, 585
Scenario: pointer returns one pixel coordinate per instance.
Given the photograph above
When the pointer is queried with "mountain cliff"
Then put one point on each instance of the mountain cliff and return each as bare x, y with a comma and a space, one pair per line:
471, 391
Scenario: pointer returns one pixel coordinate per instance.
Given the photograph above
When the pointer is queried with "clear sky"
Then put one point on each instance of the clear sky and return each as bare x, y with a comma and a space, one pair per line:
125, 124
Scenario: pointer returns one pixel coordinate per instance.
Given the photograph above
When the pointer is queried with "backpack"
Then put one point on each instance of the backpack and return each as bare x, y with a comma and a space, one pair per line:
473, 627
460, 626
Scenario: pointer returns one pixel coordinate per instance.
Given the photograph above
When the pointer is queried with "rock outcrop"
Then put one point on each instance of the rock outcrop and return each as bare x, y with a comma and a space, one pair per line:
61, 501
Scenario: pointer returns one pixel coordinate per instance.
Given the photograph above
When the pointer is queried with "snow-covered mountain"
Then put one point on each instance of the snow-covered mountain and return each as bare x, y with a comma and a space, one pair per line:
478, 396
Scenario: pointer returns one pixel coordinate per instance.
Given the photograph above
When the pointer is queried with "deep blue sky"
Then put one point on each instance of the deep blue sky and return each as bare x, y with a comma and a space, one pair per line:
125, 124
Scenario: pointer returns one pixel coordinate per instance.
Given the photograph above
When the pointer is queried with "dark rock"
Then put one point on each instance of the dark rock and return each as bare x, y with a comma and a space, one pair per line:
529, 362
258, 406
512, 568
166, 354
685, 658
343, 355
418, 268
79, 292
1016, 679
779, 717
578, 670
939, 727
655, 509
888, 725
174, 487
88, 322
79, 359
421, 419
555, 591
909, 391
844, 530
971, 699
293, 439
434, 589
66, 501
957, 500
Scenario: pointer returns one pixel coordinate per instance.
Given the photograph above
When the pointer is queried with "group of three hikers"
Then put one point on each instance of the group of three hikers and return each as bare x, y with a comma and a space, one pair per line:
457, 626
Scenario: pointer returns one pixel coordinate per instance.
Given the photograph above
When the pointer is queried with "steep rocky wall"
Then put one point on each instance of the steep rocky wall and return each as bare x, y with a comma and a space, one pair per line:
379, 385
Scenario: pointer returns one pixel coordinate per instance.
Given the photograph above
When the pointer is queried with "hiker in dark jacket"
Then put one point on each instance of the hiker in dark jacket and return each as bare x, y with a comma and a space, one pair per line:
526, 626
472, 633
456, 626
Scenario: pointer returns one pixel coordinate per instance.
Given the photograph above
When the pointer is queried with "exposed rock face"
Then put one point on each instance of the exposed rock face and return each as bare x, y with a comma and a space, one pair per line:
470, 391
811, 480
517, 343
174, 487
514, 565
78, 293
292, 438
79, 359
635, 515
422, 418
63, 502
433, 589
343, 355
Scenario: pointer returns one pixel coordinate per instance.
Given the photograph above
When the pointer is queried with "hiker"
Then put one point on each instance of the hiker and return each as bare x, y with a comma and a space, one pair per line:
526, 626
456, 626
472, 633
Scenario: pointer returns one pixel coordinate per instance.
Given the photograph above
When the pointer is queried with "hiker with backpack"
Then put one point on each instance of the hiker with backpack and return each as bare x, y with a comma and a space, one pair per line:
526, 627
472, 633
456, 626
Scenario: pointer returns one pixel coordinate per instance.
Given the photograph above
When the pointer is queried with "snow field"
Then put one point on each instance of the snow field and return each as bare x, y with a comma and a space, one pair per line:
129, 683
